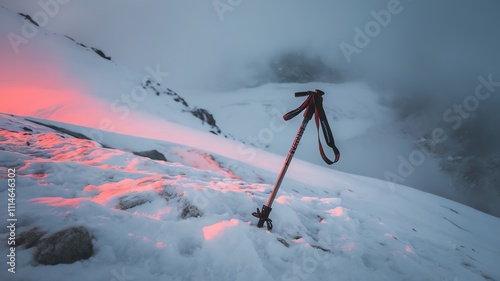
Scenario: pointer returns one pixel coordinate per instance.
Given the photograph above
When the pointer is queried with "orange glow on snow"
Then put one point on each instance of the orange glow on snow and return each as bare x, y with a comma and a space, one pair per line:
44, 103
42, 82
34, 86
408, 249
106, 196
110, 191
284, 199
326, 201
214, 230
299, 240
156, 216
336, 212
36, 83
58, 201
349, 247
157, 244
390, 236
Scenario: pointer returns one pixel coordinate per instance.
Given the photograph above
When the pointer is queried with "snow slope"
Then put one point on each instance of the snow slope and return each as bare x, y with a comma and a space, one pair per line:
370, 137
190, 216
55, 77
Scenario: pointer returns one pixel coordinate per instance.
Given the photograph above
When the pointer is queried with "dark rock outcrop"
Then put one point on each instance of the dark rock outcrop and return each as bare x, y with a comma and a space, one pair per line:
101, 54
152, 154
129, 202
206, 117
189, 211
65, 247
30, 19
30, 238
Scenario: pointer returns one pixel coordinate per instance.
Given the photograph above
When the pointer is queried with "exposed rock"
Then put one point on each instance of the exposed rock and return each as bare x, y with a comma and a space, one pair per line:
97, 51
152, 154
101, 53
168, 192
30, 238
206, 117
283, 241
321, 248
190, 211
29, 19
129, 202
64, 247
200, 113
156, 88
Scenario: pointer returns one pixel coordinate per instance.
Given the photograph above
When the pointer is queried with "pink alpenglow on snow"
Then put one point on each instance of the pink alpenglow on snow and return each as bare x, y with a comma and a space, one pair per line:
214, 230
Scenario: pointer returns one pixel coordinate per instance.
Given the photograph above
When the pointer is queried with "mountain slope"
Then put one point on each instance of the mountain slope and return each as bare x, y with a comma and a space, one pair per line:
188, 218
371, 140
56, 77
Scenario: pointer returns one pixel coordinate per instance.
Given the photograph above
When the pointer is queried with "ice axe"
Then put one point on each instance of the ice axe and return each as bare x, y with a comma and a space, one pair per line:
313, 105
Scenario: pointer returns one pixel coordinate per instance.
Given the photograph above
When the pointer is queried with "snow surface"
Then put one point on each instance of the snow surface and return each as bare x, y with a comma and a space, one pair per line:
193, 218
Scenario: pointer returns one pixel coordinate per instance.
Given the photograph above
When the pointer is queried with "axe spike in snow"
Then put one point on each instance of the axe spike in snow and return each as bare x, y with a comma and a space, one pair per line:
313, 105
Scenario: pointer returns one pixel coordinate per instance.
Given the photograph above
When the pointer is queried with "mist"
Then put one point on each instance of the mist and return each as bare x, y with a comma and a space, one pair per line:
424, 60
426, 46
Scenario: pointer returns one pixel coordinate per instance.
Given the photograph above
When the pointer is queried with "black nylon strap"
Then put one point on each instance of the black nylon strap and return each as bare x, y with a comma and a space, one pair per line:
320, 118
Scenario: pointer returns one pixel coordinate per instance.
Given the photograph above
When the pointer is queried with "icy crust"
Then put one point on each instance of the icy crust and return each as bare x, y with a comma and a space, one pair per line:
190, 219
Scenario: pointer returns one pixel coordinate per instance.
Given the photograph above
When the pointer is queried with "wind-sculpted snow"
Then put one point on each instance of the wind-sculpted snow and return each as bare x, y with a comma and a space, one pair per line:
188, 218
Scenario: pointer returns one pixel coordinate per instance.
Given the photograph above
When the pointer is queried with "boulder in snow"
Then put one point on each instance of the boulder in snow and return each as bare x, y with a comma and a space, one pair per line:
30, 238
129, 202
152, 154
190, 211
66, 246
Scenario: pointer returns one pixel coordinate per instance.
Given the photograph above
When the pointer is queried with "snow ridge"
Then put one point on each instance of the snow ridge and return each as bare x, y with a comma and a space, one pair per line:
110, 90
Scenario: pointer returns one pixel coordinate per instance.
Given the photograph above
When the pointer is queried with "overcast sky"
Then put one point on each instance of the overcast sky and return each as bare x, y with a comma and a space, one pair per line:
440, 43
